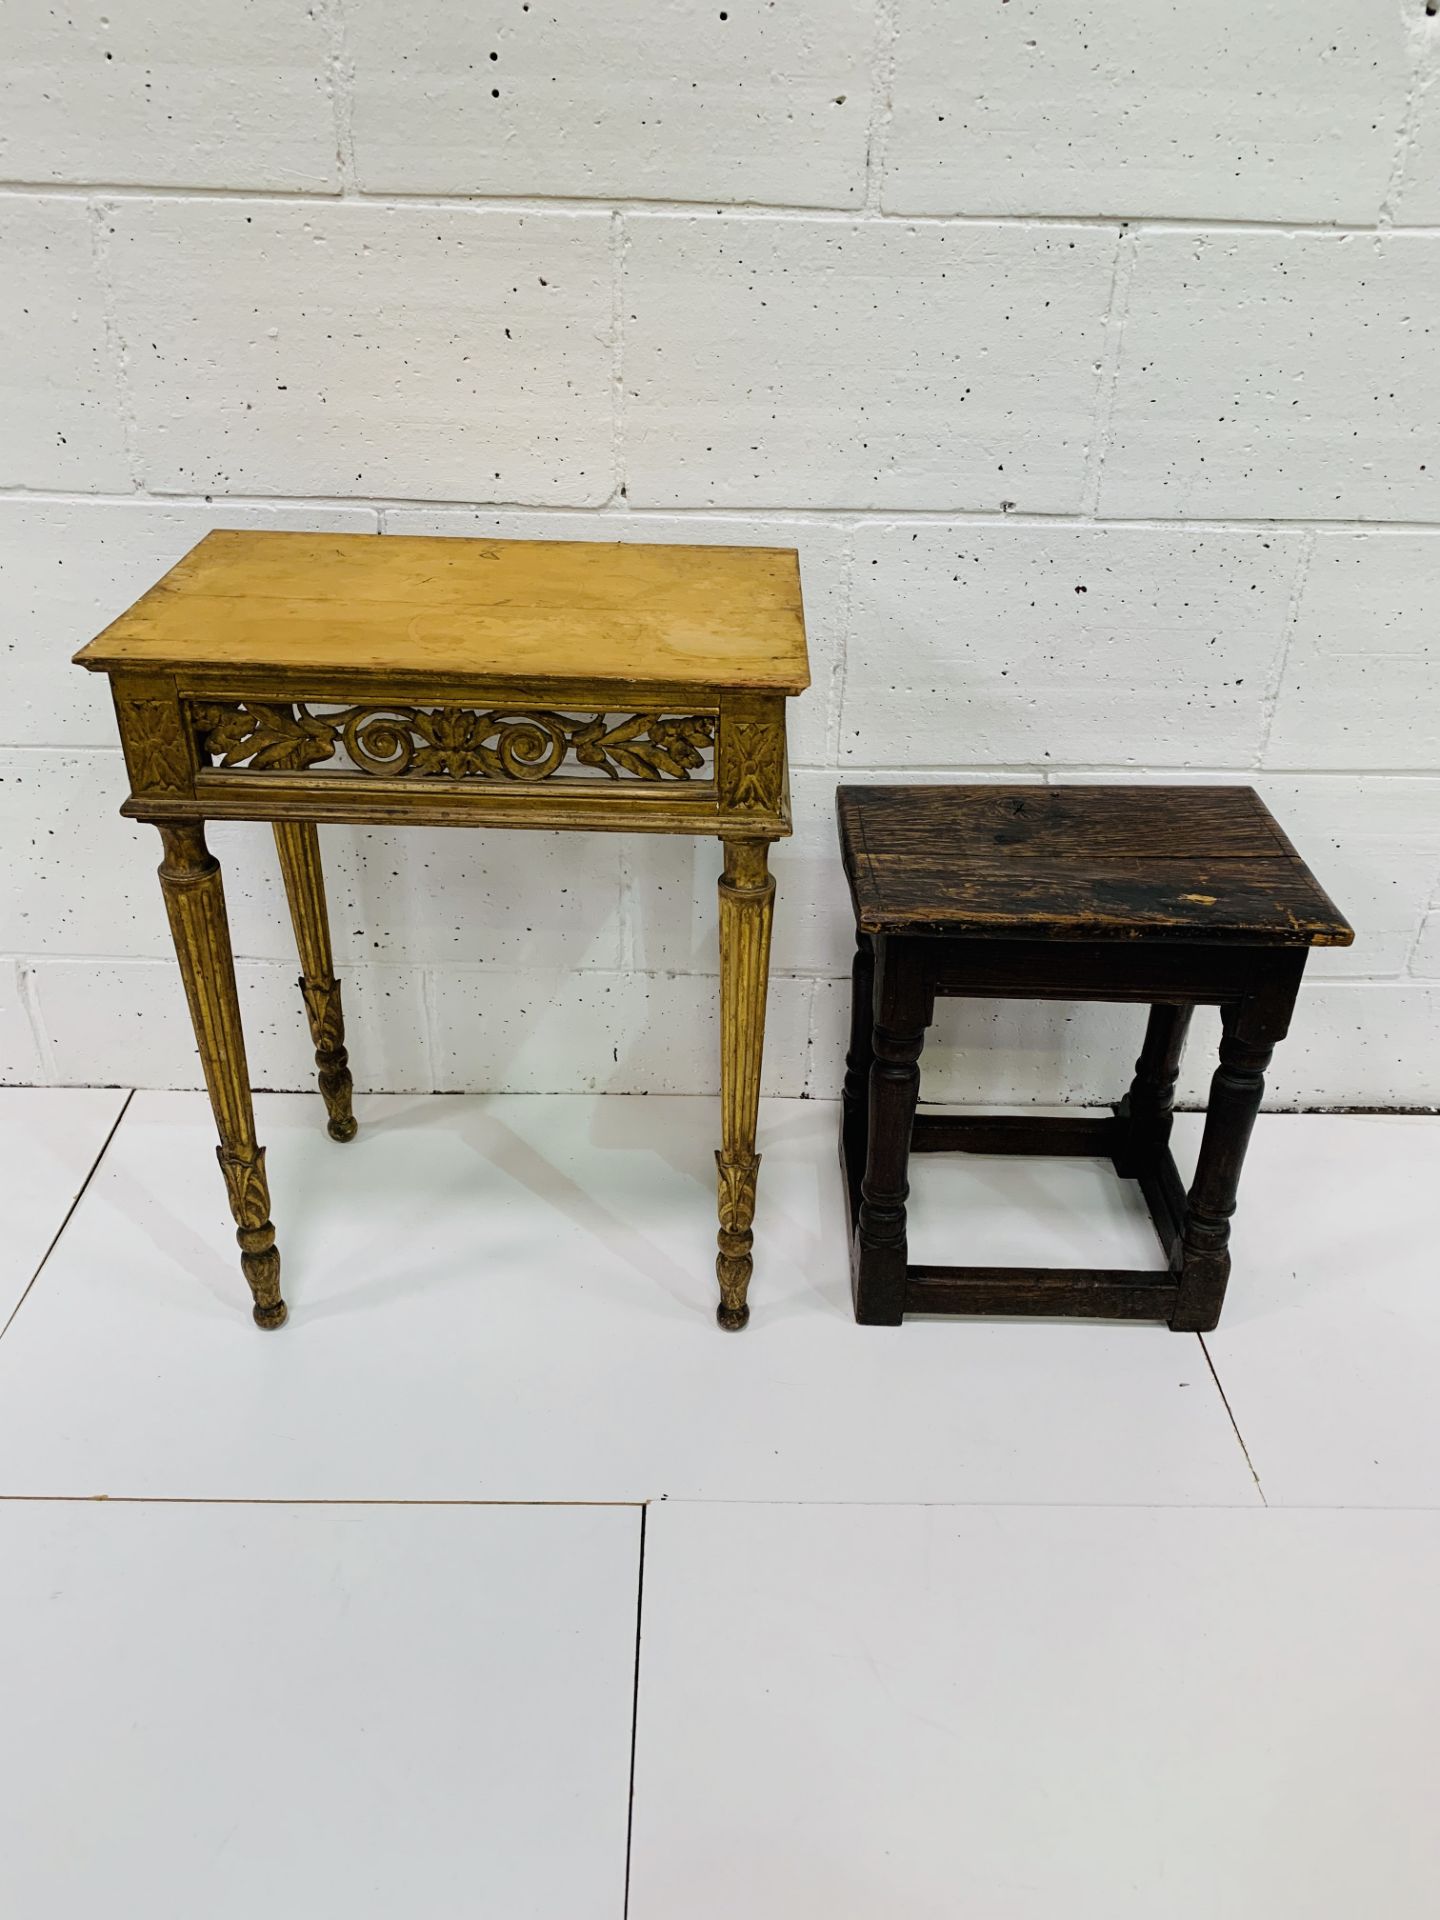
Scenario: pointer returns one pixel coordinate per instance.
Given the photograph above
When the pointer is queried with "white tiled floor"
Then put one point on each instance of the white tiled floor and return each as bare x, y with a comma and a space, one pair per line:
1037, 1711
50, 1138
249, 1709
524, 1284
952, 1619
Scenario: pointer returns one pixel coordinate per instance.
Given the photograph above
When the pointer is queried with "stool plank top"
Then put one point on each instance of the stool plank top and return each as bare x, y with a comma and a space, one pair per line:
497, 609
1198, 864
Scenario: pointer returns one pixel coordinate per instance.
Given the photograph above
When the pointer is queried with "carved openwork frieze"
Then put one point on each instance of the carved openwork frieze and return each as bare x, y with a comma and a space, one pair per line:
456, 743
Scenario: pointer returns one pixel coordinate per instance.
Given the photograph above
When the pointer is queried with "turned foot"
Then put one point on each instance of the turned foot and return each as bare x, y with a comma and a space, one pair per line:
735, 1239
249, 1193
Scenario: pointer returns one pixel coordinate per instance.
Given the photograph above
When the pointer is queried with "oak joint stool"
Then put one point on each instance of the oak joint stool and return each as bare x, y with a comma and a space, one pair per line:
1173, 896
385, 680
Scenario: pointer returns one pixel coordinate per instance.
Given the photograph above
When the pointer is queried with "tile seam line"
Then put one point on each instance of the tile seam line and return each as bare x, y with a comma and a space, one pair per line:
1300, 1110
635, 1708
1313, 1111
631, 513
1230, 1414
642, 1503
303, 1500
1043, 1506
69, 1212
853, 213
984, 1506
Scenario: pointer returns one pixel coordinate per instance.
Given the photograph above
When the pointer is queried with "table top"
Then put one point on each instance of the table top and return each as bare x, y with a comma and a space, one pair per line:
524, 610
1206, 864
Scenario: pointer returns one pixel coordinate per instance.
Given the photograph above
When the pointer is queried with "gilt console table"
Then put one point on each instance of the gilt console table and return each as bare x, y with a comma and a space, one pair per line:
300, 678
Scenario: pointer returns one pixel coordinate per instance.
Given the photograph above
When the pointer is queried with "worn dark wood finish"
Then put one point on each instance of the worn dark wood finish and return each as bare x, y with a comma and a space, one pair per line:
1015, 1133
1202, 1257
1163, 1192
1080, 863
1146, 1113
902, 1007
1173, 896
1092, 1293
855, 1091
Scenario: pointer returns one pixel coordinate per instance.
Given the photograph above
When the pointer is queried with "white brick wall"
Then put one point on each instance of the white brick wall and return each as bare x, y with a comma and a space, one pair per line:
1089, 354
1234, 109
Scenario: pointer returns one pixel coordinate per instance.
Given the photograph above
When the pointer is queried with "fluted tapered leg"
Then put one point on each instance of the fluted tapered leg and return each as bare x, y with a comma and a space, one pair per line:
298, 844
195, 903
747, 898
1148, 1109
1203, 1254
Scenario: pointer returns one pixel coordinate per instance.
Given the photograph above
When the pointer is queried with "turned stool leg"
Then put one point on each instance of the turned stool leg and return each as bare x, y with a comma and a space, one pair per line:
298, 844
878, 1257
195, 903
1147, 1112
855, 1092
1203, 1254
747, 899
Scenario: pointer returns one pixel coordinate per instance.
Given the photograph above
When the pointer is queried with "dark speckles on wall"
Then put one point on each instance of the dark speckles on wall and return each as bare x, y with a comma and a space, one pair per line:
1110, 443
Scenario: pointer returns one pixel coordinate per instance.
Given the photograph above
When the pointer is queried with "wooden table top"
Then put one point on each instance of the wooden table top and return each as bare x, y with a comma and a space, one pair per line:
525, 610
1206, 864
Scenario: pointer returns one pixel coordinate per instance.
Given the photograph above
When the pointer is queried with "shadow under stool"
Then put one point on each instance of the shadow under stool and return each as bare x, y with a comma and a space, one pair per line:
1174, 896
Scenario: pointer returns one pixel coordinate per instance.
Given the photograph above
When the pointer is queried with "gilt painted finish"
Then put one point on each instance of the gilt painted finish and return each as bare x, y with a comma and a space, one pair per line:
513, 610
302, 678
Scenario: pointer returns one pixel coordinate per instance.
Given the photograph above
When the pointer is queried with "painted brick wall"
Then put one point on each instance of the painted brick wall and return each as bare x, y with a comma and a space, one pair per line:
1089, 350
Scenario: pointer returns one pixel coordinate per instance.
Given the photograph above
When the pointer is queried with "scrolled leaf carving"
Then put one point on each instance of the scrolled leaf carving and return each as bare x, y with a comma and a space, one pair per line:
454, 743
379, 742
265, 737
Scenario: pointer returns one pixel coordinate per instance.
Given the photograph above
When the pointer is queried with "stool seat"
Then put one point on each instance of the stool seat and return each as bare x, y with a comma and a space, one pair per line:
1080, 863
1174, 896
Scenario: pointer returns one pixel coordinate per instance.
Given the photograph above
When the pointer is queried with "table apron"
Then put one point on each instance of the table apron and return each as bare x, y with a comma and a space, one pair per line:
410, 803
1186, 973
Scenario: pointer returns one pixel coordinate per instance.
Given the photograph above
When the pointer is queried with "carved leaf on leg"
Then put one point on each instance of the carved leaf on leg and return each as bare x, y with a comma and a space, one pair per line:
249, 1193
332, 1061
736, 1203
